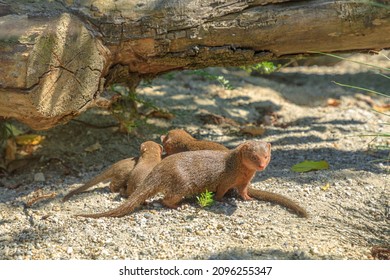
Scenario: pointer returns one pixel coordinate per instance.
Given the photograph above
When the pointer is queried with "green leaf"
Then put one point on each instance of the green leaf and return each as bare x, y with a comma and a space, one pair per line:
308, 165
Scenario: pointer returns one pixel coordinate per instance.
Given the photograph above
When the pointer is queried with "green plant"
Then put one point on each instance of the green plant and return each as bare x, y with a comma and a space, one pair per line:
265, 67
219, 78
205, 199
169, 76
126, 109
7, 130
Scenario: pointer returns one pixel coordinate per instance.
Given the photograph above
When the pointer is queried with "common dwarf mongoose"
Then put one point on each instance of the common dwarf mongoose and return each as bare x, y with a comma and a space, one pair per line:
150, 156
119, 172
178, 140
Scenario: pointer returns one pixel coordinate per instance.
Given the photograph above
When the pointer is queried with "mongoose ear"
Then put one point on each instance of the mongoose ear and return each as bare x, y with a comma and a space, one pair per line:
142, 148
244, 147
161, 148
269, 146
162, 138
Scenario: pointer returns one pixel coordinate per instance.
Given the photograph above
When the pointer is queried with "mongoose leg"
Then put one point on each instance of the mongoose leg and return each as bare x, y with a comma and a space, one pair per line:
172, 201
243, 192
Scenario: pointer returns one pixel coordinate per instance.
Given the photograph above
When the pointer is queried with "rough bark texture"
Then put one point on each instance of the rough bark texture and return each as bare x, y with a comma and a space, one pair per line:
56, 57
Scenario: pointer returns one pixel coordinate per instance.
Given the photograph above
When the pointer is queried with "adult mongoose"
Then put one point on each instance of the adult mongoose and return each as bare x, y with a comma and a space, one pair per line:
178, 140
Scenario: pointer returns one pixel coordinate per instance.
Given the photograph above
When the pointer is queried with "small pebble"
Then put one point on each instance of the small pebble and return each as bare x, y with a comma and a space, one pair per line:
39, 177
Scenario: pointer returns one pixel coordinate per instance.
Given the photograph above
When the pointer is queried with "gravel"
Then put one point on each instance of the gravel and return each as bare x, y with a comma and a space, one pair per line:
347, 218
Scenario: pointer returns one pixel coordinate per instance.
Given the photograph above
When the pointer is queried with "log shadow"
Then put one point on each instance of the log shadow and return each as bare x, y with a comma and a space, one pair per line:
257, 254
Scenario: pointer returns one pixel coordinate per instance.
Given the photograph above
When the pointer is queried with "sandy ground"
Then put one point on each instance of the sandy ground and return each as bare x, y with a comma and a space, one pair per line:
348, 203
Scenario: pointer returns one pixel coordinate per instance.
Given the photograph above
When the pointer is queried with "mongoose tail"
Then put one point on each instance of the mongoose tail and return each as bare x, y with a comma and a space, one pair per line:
278, 199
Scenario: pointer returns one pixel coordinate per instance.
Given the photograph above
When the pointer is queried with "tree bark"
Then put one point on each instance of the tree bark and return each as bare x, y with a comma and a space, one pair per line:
56, 57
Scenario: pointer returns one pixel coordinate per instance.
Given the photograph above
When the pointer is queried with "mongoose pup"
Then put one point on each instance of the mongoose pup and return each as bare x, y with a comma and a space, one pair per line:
188, 173
178, 140
118, 173
150, 156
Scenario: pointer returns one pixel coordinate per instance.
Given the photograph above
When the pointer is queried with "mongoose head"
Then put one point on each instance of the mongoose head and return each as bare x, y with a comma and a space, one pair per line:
150, 147
255, 154
174, 139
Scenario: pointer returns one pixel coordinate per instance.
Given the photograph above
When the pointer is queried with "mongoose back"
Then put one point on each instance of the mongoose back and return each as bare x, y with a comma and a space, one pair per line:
188, 173
178, 140
150, 156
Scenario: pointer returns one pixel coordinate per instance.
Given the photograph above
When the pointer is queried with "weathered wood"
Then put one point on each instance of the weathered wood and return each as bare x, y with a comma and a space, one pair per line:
56, 57
50, 71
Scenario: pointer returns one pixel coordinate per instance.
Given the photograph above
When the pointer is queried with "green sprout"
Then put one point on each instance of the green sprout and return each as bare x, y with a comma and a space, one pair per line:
265, 67
205, 199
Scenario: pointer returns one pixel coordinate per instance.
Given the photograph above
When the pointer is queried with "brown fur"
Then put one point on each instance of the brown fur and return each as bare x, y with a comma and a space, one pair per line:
188, 173
150, 157
124, 173
117, 173
278, 199
179, 140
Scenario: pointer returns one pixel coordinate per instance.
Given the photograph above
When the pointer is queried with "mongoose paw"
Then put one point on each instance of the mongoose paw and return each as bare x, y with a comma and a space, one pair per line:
246, 197
170, 204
